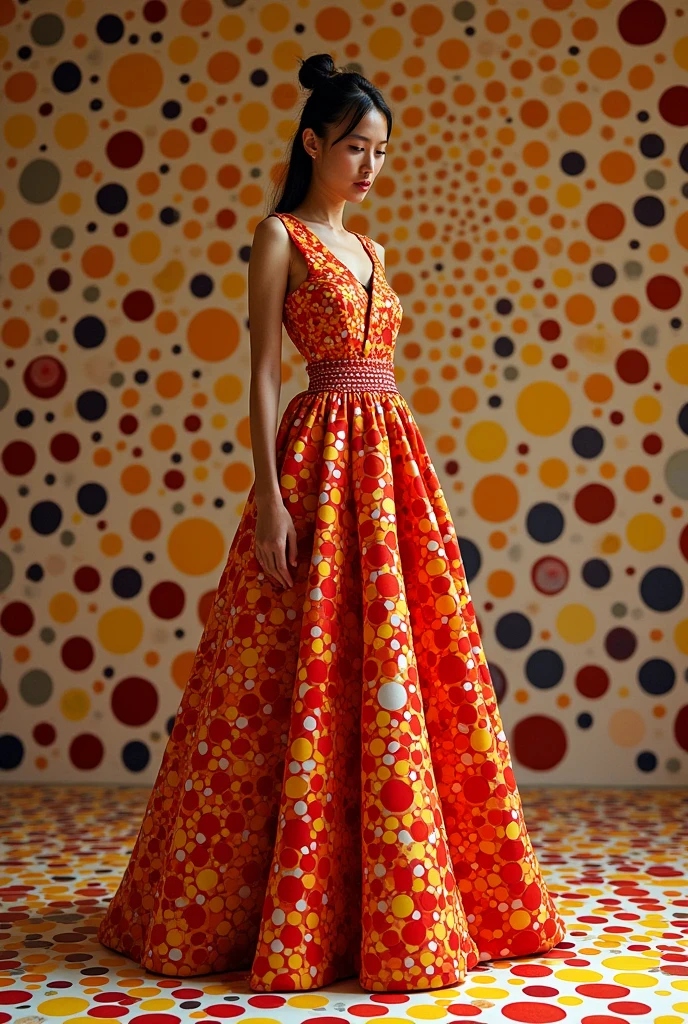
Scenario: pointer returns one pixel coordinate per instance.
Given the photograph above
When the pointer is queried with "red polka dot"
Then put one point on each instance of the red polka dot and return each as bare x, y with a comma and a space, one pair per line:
533, 1013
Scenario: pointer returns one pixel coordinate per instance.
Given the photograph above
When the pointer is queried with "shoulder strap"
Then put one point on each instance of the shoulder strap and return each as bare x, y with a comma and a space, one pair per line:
295, 235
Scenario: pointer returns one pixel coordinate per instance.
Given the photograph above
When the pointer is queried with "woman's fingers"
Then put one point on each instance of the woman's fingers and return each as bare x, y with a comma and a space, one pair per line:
274, 567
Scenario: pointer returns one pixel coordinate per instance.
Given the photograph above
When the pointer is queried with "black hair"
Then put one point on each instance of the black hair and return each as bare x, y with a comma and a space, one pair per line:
334, 94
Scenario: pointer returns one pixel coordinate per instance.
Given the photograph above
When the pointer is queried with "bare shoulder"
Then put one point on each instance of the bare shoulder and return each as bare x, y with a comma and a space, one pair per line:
270, 228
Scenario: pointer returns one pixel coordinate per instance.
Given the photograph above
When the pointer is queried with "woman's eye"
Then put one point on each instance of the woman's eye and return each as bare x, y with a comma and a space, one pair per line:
359, 149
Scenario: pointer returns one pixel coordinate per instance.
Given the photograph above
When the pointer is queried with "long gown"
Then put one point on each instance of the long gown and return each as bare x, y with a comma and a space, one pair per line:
336, 797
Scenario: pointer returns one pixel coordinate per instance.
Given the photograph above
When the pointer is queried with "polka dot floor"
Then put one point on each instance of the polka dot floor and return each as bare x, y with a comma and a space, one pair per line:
615, 861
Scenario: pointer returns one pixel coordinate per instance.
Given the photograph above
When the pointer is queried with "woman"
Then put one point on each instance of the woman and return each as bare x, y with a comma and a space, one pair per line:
336, 798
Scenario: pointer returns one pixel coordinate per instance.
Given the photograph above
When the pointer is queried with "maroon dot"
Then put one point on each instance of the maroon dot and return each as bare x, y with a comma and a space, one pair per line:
632, 366
550, 330
64, 447
592, 681
86, 751
673, 105
16, 618
124, 149
128, 424
560, 361
18, 458
77, 653
138, 305
3, 511
663, 292
155, 11
173, 479
134, 701
620, 643
3, 697
641, 22
192, 423
44, 734
539, 742
594, 503
683, 542
681, 727
86, 579
167, 600
44, 377
652, 444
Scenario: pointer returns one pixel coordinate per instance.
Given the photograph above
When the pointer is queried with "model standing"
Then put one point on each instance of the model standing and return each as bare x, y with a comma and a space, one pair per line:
336, 797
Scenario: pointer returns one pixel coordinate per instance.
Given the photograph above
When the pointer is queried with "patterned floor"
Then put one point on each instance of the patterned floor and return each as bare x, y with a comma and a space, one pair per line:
616, 860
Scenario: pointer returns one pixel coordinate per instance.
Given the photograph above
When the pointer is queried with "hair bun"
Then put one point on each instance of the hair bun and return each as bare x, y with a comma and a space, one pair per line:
316, 69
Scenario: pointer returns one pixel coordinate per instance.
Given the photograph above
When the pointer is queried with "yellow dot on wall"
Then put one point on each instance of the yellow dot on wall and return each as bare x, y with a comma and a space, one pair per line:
681, 52
543, 408
554, 472
75, 704
70, 131
531, 354
677, 364
63, 607
486, 441
645, 532
568, 196
120, 630
385, 43
145, 247
681, 636
19, 131
647, 409
195, 546
575, 623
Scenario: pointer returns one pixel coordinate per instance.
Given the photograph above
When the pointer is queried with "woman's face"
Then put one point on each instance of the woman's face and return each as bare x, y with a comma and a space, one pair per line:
359, 156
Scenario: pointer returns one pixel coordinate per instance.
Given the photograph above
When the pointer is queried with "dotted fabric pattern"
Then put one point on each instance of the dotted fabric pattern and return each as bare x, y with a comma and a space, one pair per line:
337, 795
615, 861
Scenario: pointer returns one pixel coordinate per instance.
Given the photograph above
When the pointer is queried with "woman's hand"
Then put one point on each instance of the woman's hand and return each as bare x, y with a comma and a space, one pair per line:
275, 541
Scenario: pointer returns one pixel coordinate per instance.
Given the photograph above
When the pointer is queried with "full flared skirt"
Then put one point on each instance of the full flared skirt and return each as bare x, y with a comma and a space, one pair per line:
336, 797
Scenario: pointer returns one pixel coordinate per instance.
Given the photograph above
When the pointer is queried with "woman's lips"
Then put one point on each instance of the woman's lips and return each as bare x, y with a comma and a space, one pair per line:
362, 184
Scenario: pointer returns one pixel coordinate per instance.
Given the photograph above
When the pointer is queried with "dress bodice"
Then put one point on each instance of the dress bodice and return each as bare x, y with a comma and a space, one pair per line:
331, 315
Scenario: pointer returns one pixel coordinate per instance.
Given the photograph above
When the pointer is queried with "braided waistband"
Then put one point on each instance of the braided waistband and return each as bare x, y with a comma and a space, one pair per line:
351, 375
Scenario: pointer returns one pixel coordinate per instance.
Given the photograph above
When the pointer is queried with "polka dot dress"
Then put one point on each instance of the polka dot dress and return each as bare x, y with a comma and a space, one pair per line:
336, 798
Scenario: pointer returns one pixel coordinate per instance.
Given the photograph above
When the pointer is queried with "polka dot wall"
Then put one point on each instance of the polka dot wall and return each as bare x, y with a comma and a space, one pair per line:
532, 208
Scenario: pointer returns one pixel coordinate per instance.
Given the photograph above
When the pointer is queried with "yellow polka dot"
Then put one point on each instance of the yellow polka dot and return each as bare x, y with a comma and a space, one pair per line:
578, 975
645, 532
635, 980
486, 441
519, 920
302, 749
63, 1006
481, 739
402, 906
575, 623
196, 546
120, 630
206, 879
543, 408
630, 963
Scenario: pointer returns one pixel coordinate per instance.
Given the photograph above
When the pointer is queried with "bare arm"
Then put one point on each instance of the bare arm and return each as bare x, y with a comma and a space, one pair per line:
268, 272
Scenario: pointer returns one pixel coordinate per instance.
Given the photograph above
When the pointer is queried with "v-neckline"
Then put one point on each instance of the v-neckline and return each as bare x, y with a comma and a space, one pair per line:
370, 291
